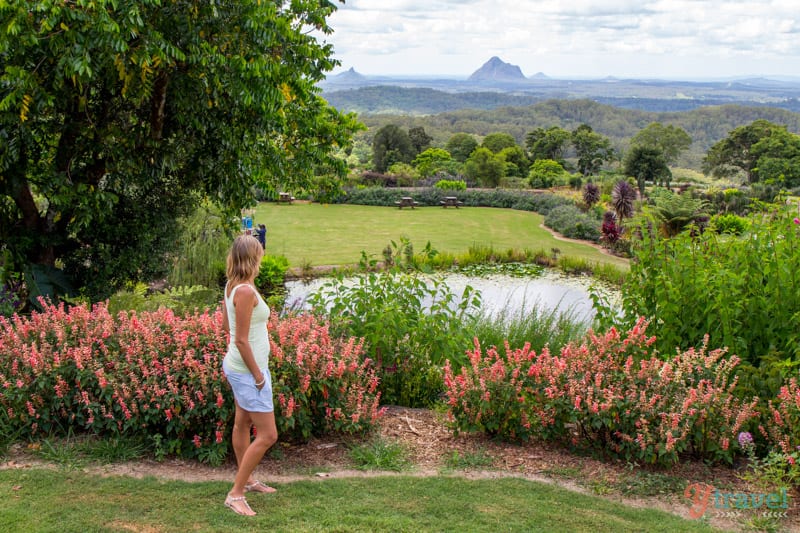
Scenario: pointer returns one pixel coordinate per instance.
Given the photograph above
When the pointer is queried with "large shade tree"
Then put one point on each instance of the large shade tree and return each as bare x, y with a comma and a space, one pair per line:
460, 146
420, 140
778, 158
550, 143
734, 155
593, 149
647, 164
497, 141
485, 167
391, 145
670, 140
118, 116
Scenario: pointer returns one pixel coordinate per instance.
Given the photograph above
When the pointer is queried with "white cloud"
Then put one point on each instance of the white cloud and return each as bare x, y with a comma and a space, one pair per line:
666, 38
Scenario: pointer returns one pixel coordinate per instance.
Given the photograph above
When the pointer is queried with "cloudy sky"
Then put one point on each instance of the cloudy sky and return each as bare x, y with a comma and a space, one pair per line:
677, 39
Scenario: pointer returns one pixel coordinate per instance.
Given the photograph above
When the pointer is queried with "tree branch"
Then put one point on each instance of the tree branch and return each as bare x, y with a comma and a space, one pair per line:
158, 102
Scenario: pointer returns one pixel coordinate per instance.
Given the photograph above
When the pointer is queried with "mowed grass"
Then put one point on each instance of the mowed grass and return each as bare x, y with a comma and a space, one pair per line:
337, 234
39, 500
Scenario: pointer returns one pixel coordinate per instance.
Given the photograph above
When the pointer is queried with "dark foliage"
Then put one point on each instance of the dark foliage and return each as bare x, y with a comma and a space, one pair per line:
609, 230
622, 198
591, 194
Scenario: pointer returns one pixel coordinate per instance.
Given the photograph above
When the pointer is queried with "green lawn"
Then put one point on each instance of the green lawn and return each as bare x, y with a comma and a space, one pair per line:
337, 234
38, 500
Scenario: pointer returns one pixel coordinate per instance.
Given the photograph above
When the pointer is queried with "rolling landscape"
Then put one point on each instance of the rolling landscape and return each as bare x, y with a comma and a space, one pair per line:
498, 84
498, 97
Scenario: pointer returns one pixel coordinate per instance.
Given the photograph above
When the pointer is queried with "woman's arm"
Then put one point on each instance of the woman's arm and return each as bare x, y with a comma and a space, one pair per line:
226, 327
243, 303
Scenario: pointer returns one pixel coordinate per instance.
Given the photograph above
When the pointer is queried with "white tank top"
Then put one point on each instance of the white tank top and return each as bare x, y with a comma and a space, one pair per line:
258, 337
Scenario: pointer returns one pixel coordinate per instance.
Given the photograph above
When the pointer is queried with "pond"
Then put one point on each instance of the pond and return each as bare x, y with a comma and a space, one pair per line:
502, 293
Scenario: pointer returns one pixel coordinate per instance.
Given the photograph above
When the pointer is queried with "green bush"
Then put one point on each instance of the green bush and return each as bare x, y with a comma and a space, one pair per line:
451, 185
410, 324
571, 222
272, 274
729, 223
744, 292
537, 325
180, 300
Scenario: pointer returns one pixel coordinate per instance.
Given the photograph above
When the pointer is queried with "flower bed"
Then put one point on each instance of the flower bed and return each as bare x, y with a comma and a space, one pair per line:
609, 393
158, 376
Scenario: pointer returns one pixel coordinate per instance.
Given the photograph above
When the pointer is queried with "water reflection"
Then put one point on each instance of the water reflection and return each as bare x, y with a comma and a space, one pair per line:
552, 291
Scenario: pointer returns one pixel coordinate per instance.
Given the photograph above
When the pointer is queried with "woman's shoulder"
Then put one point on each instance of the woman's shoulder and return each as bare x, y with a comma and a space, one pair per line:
243, 290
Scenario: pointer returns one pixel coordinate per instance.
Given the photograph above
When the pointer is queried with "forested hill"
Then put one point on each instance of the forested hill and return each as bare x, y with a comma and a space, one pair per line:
705, 125
397, 100
420, 101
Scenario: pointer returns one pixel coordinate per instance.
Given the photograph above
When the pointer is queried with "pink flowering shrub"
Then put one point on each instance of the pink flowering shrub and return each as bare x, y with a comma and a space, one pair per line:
159, 376
492, 392
145, 374
610, 392
321, 384
781, 425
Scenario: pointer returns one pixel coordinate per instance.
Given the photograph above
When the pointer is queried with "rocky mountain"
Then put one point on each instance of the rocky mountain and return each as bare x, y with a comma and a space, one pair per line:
348, 77
497, 70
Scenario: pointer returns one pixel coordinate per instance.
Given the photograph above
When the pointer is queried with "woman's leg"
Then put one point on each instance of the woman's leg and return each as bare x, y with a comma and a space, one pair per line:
241, 433
266, 436
241, 440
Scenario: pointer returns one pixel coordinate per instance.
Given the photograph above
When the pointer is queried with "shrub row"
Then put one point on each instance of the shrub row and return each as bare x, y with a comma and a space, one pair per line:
574, 223
561, 214
157, 376
510, 199
613, 393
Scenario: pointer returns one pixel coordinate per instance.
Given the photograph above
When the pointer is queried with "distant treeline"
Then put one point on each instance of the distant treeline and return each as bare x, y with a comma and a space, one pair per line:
705, 125
391, 99
420, 101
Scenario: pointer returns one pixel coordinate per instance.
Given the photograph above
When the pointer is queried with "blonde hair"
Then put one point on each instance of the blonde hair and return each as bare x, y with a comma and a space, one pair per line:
244, 258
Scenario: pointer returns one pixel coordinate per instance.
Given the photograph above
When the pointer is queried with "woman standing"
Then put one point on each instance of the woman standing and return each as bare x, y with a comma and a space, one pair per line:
245, 315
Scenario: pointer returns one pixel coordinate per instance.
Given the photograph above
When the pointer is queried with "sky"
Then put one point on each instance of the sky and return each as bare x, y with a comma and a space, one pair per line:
570, 39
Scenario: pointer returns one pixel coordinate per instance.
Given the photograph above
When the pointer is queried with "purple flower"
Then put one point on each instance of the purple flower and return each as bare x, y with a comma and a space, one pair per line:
796, 220
745, 439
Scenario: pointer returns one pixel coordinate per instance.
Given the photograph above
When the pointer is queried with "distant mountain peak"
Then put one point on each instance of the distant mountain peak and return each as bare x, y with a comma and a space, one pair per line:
540, 76
347, 76
497, 70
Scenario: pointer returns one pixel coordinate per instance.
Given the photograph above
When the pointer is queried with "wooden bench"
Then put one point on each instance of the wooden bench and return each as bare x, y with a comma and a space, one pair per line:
285, 197
406, 201
451, 201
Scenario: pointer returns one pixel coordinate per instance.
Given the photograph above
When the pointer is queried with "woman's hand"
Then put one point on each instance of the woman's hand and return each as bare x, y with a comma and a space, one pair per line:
260, 382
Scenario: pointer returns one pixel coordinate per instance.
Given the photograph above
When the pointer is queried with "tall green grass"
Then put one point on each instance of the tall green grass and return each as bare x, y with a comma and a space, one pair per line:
534, 324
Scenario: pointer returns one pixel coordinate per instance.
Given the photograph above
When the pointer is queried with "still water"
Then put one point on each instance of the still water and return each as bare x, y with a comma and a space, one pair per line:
502, 293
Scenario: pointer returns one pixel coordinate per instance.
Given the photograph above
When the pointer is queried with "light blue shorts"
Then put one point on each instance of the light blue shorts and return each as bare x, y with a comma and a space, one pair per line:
247, 395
